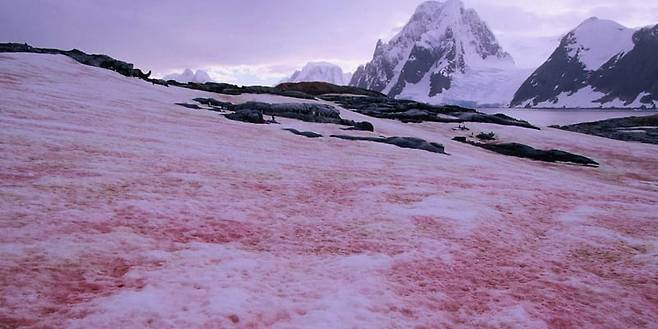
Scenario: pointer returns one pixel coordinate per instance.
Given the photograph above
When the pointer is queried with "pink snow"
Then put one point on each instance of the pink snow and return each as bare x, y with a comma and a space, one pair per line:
119, 209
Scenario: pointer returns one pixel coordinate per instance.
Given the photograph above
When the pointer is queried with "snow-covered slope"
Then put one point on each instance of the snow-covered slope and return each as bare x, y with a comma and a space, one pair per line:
322, 72
443, 51
119, 209
188, 75
599, 64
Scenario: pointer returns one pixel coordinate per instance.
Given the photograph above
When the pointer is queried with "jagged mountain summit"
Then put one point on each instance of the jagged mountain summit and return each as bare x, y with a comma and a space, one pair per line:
321, 72
445, 53
599, 64
188, 75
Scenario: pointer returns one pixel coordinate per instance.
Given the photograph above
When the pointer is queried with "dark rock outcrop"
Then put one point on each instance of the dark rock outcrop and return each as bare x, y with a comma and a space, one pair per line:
308, 112
322, 88
528, 152
247, 115
213, 102
190, 106
403, 142
411, 111
308, 134
642, 129
102, 61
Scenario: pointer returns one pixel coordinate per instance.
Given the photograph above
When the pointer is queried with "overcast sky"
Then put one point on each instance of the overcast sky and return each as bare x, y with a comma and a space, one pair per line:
261, 41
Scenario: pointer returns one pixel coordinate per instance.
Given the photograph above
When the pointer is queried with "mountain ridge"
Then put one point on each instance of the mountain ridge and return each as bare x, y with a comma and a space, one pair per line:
600, 63
442, 44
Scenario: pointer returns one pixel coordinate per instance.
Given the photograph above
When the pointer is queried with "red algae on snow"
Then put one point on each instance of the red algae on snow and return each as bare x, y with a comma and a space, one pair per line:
121, 209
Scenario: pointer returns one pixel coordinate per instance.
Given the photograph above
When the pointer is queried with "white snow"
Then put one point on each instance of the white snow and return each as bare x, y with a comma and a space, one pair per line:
477, 86
119, 209
599, 40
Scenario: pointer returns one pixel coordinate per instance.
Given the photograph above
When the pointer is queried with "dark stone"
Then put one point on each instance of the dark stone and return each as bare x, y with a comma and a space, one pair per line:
363, 125
308, 112
403, 142
308, 134
190, 106
486, 136
213, 102
528, 152
634, 129
247, 115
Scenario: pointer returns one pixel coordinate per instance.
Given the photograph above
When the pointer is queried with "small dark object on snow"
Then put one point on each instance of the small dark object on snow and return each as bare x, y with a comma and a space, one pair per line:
461, 127
491, 136
308, 134
190, 106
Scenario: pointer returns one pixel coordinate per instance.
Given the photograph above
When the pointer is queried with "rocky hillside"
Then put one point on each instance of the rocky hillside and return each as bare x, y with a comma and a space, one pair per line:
598, 64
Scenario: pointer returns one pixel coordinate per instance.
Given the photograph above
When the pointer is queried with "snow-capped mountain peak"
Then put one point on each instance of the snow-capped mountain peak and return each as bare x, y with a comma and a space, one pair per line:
322, 72
443, 42
598, 64
189, 75
595, 41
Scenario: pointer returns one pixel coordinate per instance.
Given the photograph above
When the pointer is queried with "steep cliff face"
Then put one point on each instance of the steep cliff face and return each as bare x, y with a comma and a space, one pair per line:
442, 43
598, 64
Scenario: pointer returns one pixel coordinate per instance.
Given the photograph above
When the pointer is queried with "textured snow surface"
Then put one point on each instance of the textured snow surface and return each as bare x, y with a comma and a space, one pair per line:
119, 209
596, 41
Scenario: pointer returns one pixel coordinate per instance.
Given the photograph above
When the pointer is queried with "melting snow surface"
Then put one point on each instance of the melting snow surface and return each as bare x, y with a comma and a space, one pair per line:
120, 209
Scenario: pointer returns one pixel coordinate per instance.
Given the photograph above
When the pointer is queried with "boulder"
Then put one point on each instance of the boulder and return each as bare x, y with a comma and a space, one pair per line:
247, 115
529, 152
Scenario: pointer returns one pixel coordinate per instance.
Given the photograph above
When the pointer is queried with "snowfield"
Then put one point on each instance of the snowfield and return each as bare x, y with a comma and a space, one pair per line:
119, 209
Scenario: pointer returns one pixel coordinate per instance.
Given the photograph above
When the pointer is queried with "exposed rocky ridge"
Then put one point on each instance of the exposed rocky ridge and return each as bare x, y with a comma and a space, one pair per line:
403, 142
411, 111
127, 69
576, 76
642, 129
102, 61
321, 88
529, 152
253, 112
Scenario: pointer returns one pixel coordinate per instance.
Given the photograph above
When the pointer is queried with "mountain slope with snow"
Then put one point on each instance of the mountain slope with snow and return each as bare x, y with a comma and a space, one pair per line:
321, 72
599, 64
442, 52
188, 75
121, 209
